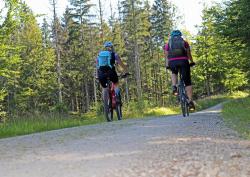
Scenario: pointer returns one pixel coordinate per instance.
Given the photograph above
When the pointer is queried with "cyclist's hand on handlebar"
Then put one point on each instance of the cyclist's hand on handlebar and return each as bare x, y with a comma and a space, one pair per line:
124, 75
192, 64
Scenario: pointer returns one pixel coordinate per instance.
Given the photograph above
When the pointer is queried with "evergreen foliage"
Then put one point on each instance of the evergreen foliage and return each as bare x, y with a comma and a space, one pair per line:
29, 54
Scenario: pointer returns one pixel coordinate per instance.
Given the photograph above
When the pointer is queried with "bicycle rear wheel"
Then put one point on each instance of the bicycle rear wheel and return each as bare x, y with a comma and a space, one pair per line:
183, 107
108, 110
183, 100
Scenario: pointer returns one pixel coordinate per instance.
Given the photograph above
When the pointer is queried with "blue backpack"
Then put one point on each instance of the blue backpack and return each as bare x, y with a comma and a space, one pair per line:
104, 59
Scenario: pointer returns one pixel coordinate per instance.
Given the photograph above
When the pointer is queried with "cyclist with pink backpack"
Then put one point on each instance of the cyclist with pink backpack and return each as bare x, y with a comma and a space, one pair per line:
178, 56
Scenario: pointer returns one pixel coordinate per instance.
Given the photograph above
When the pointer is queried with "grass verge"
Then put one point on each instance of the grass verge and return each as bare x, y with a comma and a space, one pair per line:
236, 114
38, 123
201, 104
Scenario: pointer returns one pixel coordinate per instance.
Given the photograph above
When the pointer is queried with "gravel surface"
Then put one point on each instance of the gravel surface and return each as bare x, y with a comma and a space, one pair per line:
200, 145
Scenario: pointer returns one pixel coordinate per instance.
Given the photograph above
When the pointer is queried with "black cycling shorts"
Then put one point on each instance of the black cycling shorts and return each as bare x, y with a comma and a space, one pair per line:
105, 73
184, 67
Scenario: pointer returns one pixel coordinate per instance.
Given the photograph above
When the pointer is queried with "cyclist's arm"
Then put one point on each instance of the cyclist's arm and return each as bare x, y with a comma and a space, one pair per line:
120, 63
189, 55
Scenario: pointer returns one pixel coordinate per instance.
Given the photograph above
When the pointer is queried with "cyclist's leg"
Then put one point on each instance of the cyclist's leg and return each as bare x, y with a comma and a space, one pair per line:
174, 79
189, 90
174, 76
114, 78
185, 71
102, 76
189, 94
187, 80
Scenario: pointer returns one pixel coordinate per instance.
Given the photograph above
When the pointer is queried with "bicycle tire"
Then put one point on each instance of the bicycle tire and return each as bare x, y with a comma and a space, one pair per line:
187, 108
108, 110
183, 107
183, 100
119, 112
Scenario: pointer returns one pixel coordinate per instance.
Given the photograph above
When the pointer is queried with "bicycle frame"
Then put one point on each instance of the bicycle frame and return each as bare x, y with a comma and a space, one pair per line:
109, 101
111, 104
112, 95
112, 100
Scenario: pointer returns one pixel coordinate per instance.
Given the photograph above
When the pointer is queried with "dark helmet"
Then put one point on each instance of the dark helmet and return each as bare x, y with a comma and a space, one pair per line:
176, 33
108, 44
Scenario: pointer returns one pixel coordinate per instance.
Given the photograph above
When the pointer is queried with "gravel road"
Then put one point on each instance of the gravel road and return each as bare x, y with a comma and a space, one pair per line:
170, 146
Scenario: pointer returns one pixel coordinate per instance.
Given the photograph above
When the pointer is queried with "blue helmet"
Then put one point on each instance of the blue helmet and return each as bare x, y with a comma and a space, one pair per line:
108, 44
176, 33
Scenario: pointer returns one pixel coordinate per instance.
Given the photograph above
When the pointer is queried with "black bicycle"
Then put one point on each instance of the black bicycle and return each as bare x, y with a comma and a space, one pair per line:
182, 97
112, 101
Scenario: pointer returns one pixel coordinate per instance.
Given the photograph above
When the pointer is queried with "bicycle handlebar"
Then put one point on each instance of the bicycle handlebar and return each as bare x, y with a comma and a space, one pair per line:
192, 64
124, 75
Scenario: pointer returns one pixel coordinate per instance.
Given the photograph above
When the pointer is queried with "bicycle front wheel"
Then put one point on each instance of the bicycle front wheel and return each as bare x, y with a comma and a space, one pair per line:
119, 111
186, 108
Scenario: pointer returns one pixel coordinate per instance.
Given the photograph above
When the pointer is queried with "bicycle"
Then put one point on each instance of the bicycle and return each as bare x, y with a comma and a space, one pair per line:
182, 97
112, 101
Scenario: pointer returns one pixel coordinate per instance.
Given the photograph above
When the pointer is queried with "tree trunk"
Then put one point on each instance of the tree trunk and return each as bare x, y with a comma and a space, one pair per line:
101, 20
136, 57
127, 91
87, 96
207, 84
77, 104
95, 89
72, 104
59, 74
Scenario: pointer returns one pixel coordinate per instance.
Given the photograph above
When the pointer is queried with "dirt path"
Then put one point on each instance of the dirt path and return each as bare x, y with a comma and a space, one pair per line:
200, 145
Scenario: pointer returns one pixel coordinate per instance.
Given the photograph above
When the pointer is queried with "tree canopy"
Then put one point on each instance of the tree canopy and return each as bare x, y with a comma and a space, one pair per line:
40, 64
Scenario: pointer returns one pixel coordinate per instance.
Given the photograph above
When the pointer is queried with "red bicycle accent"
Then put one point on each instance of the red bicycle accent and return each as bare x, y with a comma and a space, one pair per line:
112, 101
112, 95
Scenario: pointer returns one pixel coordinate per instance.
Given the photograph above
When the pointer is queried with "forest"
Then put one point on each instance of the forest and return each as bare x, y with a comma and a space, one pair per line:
50, 67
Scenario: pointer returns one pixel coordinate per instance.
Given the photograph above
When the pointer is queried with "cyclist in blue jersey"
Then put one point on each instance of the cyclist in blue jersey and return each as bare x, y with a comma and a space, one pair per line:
105, 63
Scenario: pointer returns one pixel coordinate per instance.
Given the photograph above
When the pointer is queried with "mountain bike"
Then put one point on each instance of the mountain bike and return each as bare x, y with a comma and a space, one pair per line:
182, 97
112, 101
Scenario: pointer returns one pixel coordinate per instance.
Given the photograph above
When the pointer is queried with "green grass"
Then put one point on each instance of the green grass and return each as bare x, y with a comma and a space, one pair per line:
216, 99
237, 115
37, 123
32, 124
159, 111
201, 104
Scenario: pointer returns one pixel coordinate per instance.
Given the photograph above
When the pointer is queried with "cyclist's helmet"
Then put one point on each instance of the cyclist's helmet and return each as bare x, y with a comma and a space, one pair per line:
108, 44
176, 33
